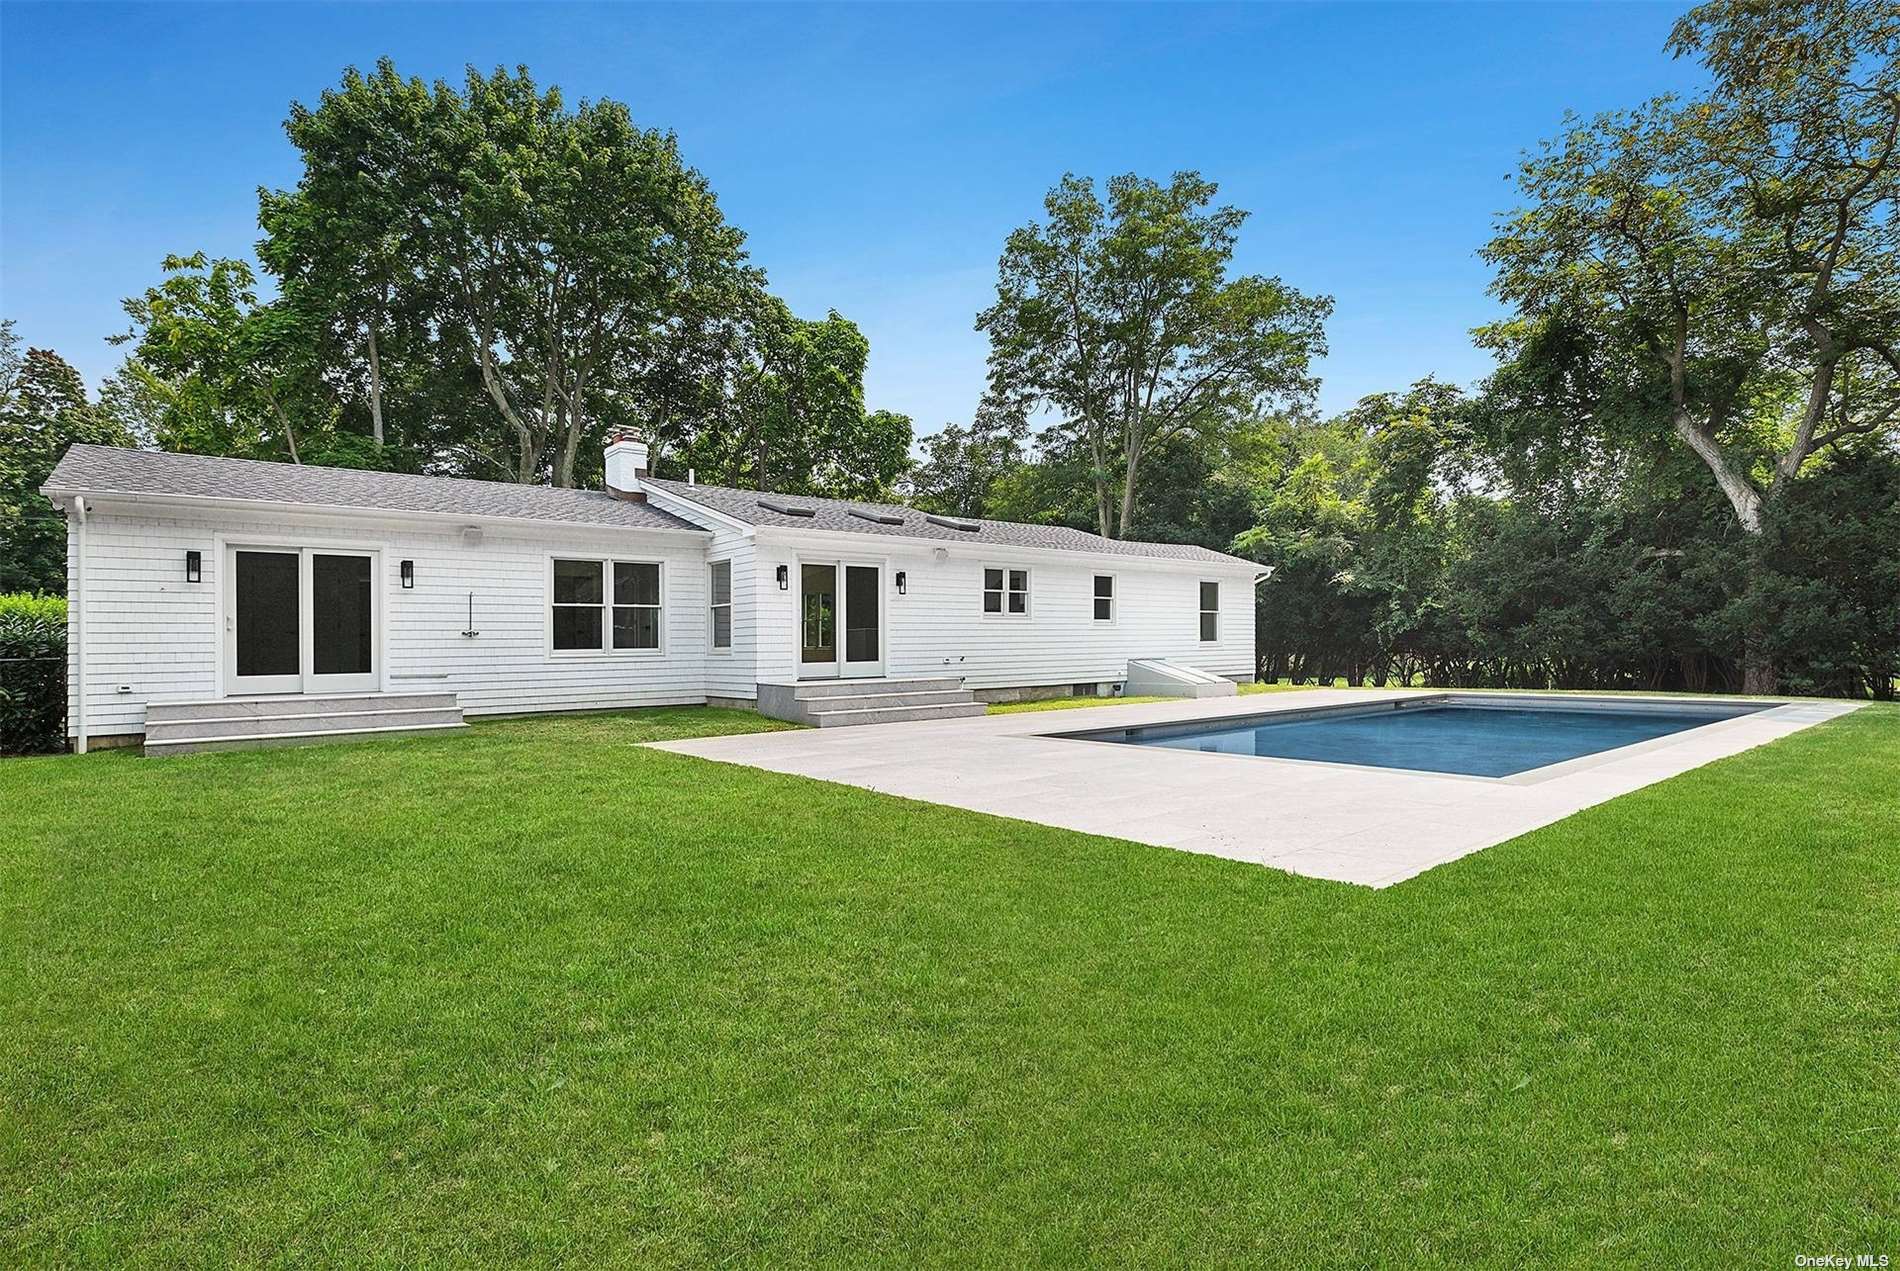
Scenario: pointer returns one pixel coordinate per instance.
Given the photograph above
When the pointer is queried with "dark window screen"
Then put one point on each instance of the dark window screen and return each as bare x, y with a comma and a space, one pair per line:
341, 630
266, 613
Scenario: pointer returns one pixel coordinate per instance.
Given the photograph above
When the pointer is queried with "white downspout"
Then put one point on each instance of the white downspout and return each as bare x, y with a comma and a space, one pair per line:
76, 627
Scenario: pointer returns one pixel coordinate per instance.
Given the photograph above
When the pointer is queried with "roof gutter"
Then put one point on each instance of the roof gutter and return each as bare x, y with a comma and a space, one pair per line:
210, 502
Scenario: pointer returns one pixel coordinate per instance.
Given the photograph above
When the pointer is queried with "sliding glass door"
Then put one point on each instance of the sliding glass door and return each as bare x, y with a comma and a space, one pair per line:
300, 620
817, 621
342, 622
265, 621
840, 620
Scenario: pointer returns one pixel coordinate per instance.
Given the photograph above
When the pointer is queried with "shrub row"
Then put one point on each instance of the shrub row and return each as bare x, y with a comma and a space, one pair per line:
32, 674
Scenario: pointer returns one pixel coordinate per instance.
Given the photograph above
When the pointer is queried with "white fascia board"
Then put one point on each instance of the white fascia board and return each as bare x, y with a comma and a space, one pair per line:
680, 506
104, 500
873, 544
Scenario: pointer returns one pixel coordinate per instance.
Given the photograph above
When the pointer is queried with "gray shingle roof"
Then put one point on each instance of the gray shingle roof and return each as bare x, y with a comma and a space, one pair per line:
102, 470
852, 517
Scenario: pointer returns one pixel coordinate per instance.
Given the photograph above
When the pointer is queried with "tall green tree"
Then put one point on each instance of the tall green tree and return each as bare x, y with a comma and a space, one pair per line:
219, 371
43, 410
560, 253
961, 466
342, 238
795, 420
1727, 269
1118, 316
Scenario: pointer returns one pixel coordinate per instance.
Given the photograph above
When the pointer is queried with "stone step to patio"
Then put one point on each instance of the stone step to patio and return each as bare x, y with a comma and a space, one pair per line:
923, 697
307, 722
175, 728
294, 704
808, 689
895, 714
837, 703
260, 741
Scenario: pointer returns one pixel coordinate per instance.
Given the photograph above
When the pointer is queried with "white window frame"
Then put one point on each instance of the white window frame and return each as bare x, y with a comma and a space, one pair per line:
1028, 591
606, 606
712, 608
1203, 612
1113, 598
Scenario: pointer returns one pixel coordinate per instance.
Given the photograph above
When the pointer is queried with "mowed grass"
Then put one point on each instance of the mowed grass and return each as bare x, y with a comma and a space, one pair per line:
537, 994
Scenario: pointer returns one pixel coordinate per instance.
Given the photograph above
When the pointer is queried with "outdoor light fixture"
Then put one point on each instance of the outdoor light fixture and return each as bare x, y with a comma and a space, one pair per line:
194, 566
784, 577
408, 575
903, 584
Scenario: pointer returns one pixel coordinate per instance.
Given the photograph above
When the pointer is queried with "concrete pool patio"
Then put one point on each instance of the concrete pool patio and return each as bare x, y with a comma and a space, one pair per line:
1372, 826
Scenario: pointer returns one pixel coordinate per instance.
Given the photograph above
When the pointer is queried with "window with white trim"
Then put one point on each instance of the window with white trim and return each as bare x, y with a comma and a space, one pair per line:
1005, 592
1210, 612
637, 605
719, 593
585, 617
1105, 597
579, 600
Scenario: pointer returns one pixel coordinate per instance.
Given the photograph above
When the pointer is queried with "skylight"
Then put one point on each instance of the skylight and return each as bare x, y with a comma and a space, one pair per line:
967, 527
787, 509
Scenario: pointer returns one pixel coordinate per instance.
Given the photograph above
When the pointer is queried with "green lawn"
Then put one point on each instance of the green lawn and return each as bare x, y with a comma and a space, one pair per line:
533, 994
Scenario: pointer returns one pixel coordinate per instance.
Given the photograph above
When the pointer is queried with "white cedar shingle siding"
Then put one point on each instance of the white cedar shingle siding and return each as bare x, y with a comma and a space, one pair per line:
939, 627
149, 629
734, 672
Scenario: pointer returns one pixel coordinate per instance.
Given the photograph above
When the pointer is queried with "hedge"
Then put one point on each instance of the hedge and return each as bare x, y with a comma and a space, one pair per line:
32, 674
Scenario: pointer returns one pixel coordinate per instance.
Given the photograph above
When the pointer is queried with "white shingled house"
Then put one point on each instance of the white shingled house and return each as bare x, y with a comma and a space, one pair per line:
226, 601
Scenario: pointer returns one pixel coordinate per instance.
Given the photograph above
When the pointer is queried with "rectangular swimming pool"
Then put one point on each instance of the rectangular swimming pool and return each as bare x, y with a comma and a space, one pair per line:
1469, 735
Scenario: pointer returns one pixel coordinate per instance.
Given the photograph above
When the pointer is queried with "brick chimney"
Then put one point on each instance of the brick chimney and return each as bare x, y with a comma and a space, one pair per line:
626, 464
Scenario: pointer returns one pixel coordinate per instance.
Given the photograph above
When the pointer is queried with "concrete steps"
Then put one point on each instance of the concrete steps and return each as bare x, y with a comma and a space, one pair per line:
176, 728
840, 703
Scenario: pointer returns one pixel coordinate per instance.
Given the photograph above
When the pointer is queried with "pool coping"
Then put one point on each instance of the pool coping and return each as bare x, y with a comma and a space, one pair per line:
1370, 826
1584, 704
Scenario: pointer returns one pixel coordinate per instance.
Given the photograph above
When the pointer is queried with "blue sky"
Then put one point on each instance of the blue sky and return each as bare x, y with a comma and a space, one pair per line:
875, 156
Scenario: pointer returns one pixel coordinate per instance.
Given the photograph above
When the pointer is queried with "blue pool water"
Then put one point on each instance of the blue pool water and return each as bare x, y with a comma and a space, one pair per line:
1479, 741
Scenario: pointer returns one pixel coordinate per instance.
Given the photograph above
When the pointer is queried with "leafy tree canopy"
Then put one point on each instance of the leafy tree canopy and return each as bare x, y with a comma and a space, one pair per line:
1118, 316
43, 410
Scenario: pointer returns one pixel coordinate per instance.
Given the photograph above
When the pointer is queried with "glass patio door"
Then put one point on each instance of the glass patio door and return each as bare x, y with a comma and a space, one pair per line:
342, 625
817, 621
300, 620
863, 621
264, 621
840, 620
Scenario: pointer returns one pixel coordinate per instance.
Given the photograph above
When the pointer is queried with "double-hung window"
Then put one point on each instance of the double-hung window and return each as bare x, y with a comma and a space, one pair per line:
1210, 612
604, 606
1105, 597
1006, 592
719, 593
